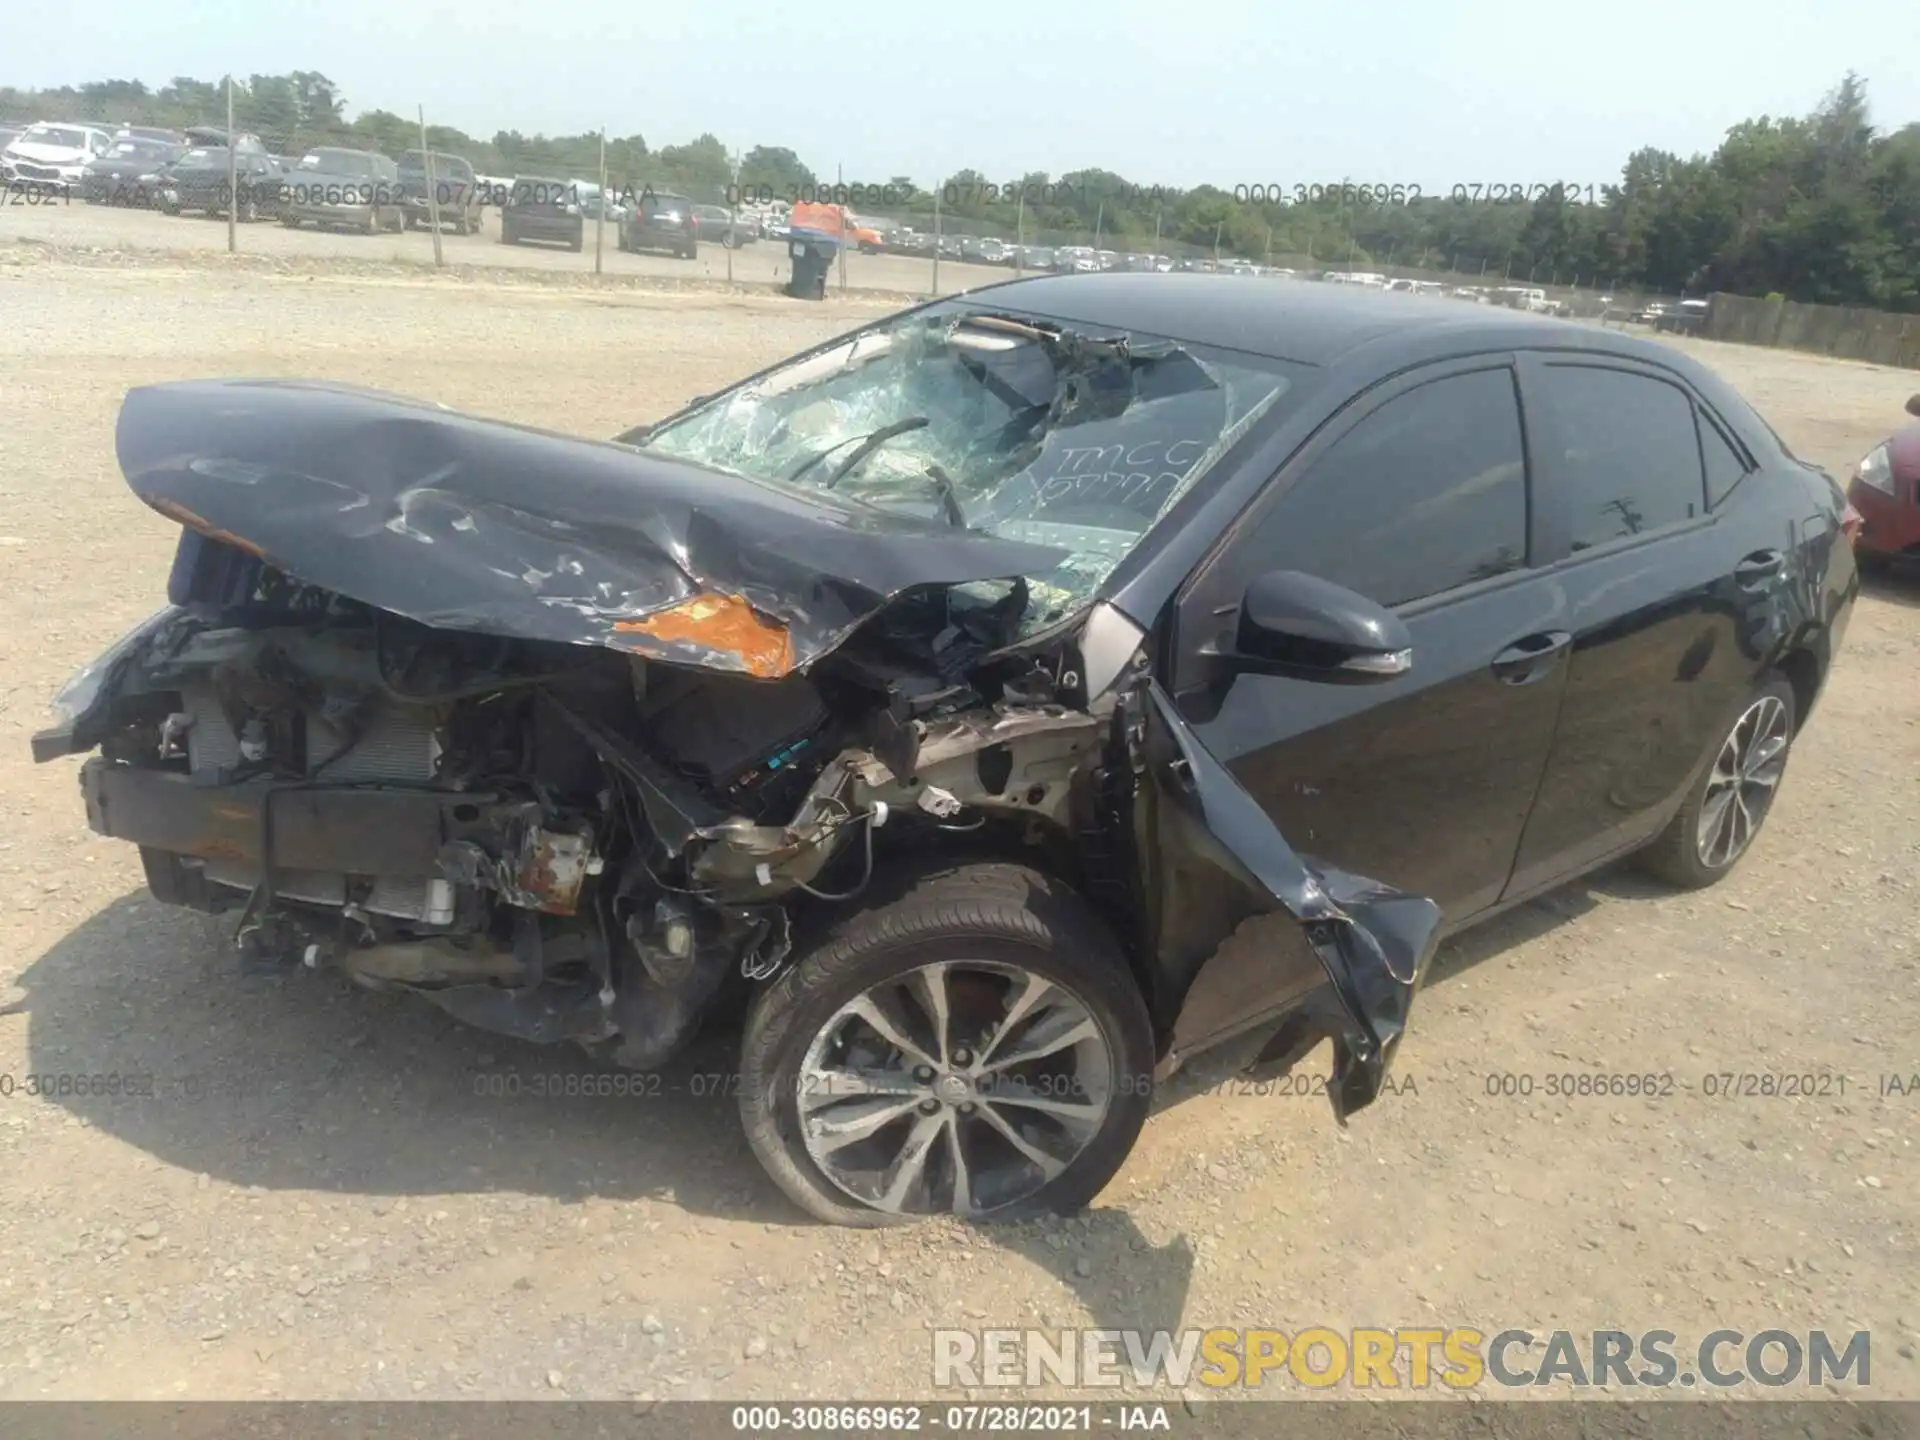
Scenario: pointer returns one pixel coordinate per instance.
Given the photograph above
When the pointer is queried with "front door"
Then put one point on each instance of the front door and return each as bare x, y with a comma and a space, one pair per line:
1418, 500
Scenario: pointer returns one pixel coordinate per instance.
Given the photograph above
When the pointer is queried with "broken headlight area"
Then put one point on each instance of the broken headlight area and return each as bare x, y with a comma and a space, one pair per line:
553, 841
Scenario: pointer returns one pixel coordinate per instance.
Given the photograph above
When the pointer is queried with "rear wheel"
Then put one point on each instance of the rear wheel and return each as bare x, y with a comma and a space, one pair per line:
1732, 798
974, 1046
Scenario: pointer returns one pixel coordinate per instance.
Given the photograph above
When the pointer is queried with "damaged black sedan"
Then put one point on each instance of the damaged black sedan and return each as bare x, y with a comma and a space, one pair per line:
995, 705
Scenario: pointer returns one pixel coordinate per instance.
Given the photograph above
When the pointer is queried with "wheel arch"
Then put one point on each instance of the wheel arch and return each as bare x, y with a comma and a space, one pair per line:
1805, 671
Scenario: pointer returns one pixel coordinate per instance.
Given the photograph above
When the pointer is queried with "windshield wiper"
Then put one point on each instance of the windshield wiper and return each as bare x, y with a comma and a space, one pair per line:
868, 444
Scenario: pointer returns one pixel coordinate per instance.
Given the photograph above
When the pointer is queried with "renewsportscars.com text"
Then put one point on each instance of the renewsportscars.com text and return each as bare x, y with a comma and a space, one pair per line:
1407, 1358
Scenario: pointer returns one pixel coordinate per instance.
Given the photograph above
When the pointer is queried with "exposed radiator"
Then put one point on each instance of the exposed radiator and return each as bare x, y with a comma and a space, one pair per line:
392, 747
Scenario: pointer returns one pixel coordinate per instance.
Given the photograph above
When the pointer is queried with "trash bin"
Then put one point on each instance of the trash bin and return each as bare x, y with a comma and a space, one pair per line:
812, 257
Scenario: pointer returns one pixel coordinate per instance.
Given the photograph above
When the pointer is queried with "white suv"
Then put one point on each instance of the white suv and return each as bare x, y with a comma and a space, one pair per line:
54, 154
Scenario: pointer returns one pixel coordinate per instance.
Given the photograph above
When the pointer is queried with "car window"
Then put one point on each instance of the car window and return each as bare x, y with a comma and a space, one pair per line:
1425, 494
1628, 454
1725, 468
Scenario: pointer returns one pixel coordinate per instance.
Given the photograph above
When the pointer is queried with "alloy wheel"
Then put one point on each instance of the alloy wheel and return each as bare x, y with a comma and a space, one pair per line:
1745, 776
961, 1087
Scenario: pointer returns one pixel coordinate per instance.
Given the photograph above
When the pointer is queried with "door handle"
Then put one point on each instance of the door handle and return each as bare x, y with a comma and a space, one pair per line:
1530, 657
1757, 569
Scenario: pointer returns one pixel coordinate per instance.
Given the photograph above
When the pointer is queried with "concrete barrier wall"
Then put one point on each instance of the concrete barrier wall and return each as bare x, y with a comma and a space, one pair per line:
1848, 332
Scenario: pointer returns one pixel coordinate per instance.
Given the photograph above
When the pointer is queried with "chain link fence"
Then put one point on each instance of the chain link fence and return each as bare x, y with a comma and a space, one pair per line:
421, 181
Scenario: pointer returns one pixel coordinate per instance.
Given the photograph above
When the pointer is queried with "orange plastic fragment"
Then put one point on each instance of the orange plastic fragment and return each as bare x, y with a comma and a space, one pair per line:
726, 623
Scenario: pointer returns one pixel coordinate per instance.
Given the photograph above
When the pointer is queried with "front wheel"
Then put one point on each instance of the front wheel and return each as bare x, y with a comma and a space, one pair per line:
973, 1046
1731, 800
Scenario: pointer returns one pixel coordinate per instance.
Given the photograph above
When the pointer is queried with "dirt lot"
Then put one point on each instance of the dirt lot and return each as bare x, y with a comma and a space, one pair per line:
762, 263
319, 1199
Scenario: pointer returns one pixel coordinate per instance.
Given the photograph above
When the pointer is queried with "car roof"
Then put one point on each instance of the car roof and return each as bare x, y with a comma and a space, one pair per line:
1313, 324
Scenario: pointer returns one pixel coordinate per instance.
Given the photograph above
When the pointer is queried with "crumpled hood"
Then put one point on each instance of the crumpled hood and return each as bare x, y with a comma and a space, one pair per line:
471, 524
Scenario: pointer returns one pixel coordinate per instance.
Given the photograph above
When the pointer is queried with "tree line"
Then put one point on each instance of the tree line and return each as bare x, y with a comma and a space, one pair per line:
1823, 208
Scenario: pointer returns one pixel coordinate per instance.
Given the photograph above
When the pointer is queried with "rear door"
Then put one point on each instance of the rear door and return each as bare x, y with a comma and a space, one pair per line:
1416, 498
1670, 604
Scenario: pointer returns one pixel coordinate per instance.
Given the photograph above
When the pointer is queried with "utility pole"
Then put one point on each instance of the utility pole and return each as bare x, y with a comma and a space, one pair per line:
1020, 234
600, 215
1098, 221
233, 196
1217, 227
846, 224
733, 212
433, 198
936, 239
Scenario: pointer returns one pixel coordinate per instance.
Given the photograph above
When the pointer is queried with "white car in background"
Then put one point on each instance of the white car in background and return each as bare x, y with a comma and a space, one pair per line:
53, 154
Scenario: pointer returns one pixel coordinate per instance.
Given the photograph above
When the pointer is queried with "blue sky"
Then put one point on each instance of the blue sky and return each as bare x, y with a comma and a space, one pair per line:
1218, 90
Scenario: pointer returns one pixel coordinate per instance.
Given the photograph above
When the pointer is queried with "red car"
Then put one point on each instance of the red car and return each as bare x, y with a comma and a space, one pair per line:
1886, 491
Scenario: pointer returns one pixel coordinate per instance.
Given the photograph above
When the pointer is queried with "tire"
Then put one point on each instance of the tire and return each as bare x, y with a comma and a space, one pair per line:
506, 236
372, 227
980, 918
1679, 856
290, 222
578, 244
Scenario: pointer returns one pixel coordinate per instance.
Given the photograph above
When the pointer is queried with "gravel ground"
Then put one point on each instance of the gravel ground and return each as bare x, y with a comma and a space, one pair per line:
321, 1199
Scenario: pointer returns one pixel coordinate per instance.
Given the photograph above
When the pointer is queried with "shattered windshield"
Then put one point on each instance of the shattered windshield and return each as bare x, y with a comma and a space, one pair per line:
1015, 426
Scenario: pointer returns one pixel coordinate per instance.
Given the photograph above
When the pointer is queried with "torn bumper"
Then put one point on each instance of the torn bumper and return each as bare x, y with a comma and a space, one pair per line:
361, 831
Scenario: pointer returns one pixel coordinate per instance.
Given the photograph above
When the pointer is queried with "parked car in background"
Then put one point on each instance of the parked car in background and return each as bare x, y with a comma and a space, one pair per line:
54, 155
1688, 317
597, 204
164, 134
1037, 257
954, 809
214, 137
201, 181
455, 191
114, 178
662, 220
340, 189
544, 209
1885, 491
717, 225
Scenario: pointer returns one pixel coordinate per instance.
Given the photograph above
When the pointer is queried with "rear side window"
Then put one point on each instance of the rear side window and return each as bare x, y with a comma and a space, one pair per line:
1725, 468
1426, 494
1628, 454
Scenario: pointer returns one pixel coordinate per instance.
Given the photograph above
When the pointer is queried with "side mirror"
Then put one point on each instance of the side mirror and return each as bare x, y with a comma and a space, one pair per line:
1913, 405
1300, 626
